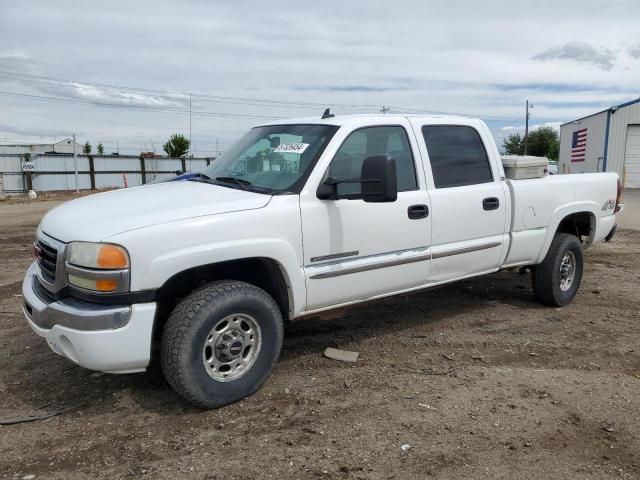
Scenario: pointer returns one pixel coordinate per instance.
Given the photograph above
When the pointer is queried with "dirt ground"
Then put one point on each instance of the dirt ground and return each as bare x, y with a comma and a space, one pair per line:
478, 379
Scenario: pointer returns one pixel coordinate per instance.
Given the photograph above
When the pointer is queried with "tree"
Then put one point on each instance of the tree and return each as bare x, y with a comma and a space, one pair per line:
542, 142
177, 146
87, 148
513, 144
100, 149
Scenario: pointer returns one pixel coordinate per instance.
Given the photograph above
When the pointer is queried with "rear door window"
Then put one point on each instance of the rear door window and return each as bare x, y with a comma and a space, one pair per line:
457, 155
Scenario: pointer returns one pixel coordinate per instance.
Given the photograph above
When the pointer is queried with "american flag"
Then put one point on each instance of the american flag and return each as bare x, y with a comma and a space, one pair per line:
578, 145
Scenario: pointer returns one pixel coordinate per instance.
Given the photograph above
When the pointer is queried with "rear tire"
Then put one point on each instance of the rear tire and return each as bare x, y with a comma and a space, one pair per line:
221, 342
556, 280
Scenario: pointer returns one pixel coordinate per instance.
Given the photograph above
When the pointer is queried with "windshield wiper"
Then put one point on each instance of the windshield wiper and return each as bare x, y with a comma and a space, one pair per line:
241, 183
195, 176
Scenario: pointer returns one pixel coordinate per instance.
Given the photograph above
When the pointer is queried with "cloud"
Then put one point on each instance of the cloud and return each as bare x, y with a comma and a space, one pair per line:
581, 52
511, 128
15, 60
114, 96
13, 54
634, 51
249, 59
350, 88
554, 125
33, 131
521, 128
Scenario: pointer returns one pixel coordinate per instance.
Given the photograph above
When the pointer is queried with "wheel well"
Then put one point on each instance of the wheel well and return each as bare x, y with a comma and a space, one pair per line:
580, 224
264, 273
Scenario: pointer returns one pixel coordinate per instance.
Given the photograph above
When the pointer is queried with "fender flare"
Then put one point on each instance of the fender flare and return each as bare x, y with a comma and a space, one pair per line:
173, 262
560, 214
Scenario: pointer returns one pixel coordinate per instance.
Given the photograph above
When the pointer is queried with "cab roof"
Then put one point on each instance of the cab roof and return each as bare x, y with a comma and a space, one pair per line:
365, 119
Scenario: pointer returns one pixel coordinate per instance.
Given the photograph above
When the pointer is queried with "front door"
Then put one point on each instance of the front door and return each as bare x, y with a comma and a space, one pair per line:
355, 250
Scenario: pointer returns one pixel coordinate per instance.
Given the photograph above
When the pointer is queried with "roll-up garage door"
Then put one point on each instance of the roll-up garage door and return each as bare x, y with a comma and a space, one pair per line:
632, 157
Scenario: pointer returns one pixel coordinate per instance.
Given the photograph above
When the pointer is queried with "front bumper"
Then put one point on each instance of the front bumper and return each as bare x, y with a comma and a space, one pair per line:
115, 339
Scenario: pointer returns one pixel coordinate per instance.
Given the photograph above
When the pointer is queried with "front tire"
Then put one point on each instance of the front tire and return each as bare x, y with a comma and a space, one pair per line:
221, 342
557, 279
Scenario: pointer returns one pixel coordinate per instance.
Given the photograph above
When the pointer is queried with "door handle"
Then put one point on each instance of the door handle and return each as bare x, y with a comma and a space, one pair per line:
418, 211
491, 203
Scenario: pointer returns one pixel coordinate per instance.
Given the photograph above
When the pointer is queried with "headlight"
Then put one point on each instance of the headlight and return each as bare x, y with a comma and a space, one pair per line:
100, 267
97, 255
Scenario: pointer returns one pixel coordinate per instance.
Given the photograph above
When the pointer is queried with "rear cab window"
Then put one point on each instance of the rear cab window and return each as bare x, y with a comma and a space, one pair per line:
457, 155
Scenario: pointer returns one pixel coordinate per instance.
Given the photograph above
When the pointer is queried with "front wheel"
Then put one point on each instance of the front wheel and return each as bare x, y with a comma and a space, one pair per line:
557, 279
221, 342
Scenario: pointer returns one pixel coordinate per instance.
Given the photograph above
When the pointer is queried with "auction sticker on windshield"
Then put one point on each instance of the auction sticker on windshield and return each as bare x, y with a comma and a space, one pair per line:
291, 148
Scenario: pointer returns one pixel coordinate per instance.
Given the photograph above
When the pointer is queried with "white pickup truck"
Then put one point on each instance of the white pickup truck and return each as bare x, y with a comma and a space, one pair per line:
298, 217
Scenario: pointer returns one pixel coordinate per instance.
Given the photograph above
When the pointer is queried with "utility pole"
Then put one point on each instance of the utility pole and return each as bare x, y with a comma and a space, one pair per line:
526, 126
384, 109
217, 150
189, 123
75, 162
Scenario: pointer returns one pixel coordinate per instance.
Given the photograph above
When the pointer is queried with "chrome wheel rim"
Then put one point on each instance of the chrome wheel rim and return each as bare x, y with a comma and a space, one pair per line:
567, 271
232, 347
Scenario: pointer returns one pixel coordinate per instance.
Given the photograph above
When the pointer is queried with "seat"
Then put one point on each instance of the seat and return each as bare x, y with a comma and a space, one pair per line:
405, 170
342, 167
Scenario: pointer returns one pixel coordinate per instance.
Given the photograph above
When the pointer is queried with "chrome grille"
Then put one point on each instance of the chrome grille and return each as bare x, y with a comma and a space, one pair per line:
47, 261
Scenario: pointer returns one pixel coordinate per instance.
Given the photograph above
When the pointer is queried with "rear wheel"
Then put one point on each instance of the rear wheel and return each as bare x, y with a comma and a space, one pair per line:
221, 342
556, 280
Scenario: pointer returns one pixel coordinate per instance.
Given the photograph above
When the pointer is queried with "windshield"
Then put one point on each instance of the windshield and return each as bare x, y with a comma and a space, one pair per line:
276, 158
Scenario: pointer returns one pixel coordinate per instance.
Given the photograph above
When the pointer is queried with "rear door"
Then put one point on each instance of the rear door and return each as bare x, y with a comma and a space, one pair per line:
468, 199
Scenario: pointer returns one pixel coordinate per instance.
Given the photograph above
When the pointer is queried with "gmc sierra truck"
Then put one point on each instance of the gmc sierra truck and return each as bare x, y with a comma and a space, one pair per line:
297, 217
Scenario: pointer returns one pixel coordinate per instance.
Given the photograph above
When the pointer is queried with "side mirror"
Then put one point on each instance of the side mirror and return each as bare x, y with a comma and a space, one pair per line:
378, 179
327, 190
378, 182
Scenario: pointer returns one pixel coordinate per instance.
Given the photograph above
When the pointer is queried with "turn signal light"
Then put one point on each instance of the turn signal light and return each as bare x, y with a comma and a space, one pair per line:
103, 285
111, 257
106, 285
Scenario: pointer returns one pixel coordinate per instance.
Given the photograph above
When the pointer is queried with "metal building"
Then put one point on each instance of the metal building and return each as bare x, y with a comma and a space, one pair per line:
606, 141
53, 145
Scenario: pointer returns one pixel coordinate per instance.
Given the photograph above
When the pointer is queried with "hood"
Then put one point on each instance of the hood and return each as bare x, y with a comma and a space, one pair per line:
96, 217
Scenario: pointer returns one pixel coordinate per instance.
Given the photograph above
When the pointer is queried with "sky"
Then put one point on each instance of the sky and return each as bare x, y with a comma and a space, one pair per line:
121, 73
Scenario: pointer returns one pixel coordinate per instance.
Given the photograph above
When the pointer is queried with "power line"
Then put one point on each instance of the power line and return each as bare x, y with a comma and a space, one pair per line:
459, 114
136, 107
85, 119
179, 96
29, 78
261, 102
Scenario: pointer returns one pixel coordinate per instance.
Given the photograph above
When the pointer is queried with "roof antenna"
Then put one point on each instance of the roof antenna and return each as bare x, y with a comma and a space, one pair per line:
327, 114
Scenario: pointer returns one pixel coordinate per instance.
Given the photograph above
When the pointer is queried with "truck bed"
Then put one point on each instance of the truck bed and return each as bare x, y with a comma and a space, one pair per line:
539, 204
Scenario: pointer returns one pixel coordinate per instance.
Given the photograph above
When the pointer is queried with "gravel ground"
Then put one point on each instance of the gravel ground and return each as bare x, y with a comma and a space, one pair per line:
478, 379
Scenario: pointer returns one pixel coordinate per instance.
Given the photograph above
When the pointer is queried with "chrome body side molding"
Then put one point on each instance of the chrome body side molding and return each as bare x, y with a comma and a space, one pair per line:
389, 259
461, 250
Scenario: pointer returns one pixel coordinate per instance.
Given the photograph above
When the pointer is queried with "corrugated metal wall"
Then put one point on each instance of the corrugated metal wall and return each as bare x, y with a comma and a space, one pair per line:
11, 172
596, 126
109, 171
620, 120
